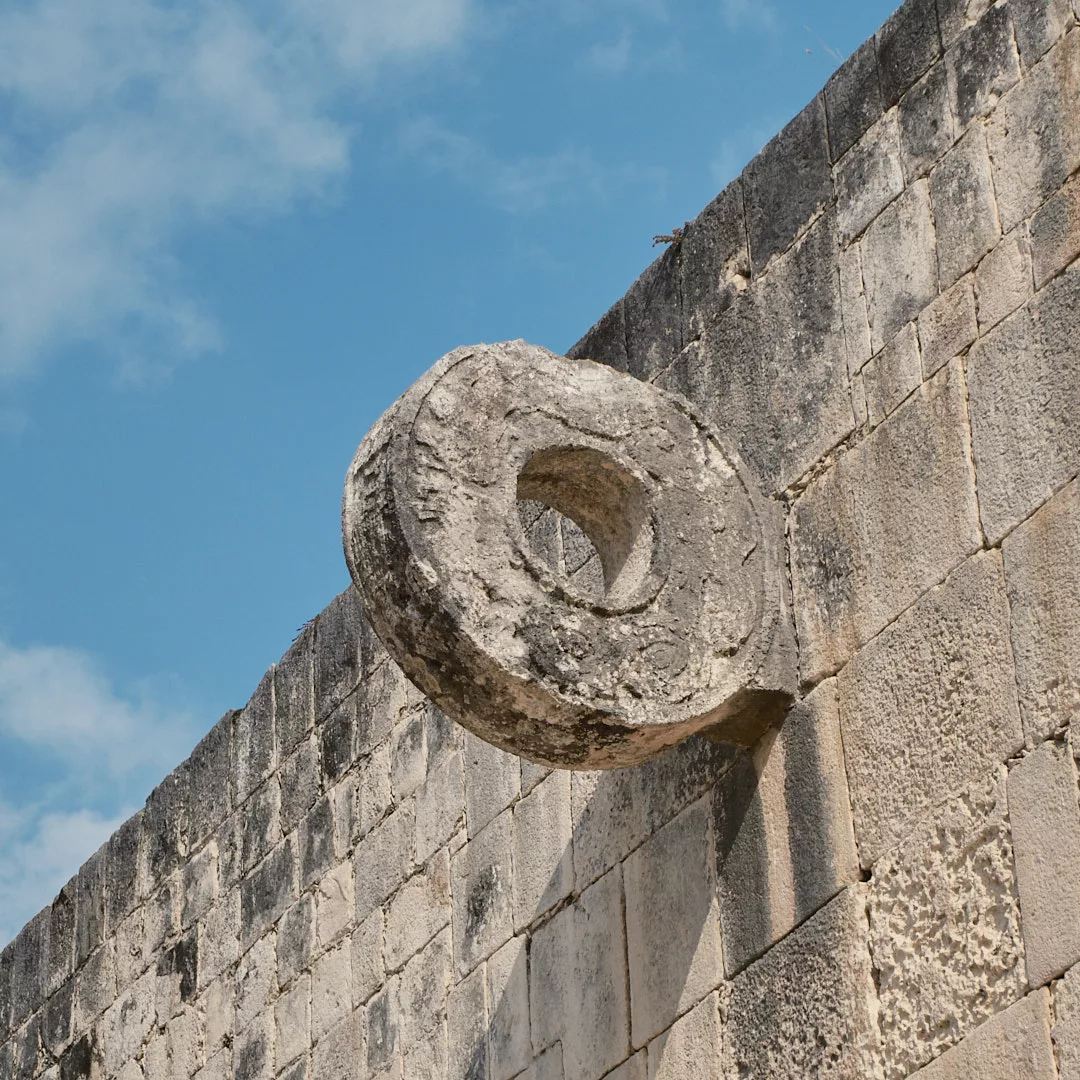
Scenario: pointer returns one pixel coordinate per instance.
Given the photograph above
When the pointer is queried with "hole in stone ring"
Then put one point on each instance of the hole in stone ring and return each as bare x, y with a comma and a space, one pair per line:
589, 519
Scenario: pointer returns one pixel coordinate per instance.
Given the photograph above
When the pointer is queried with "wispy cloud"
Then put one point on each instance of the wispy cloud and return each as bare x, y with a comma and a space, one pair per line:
94, 752
132, 119
608, 58
741, 14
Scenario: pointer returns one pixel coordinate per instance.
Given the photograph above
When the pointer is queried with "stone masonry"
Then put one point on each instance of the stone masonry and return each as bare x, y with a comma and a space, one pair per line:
882, 317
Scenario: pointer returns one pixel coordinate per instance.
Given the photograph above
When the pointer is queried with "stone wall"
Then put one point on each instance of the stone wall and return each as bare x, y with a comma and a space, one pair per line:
883, 314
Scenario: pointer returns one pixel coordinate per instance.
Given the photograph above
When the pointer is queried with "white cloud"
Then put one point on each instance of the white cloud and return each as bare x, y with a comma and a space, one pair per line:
134, 118
605, 58
739, 14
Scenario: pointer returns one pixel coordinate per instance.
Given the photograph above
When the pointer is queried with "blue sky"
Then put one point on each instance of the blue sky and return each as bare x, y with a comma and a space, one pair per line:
230, 235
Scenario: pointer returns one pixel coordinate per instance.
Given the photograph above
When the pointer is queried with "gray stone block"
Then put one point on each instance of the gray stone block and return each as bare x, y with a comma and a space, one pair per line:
300, 782
380, 703
1066, 1032
509, 1043
439, 807
492, 781
1055, 233
200, 885
899, 264
927, 125
853, 571
917, 728
868, 177
1034, 136
965, 216
543, 852
1045, 821
295, 939
253, 756
1038, 24
294, 692
29, 968
1003, 280
672, 923
892, 375
605, 342
60, 958
316, 842
853, 304
482, 883
207, 775
690, 1047
57, 1017
1015, 1043
787, 184
467, 1021
853, 99
948, 326
941, 969
7, 963
164, 843
422, 992
27, 1056
337, 741
983, 65
383, 860
261, 824
653, 316
90, 904
907, 45
267, 891
586, 1014
345, 650
829, 1027
95, 985
1023, 384
418, 911
408, 755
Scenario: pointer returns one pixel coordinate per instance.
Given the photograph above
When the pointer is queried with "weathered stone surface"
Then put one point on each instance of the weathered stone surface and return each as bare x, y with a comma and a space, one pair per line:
853, 99
786, 184
691, 1047
208, 793
868, 177
252, 750
929, 705
927, 124
1024, 382
899, 264
906, 46
1012, 1044
509, 1042
1066, 1033
945, 927
1034, 136
672, 923
853, 571
983, 65
1037, 25
948, 326
296, 939
292, 1015
828, 1028
783, 832
382, 861
492, 781
294, 692
482, 882
557, 676
268, 891
543, 851
422, 992
1055, 233
467, 1022
578, 982
853, 301
1004, 279
892, 375
419, 910
965, 216
439, 807
1046, 834
335, 904
605, 342
652, 315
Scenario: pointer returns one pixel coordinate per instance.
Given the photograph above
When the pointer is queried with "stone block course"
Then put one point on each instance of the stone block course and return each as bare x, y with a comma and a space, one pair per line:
1003, 280
509, 1042
542, 849
252, 751
1055, 233
868, 177
418, 911
853, 99
482, 883
927, 124
294, 692
1066, 1030
983, 65
853, 301
907, 45
1037, 25
653, 317
691, 1047
492, 782
947, 326
892, 375
382, 861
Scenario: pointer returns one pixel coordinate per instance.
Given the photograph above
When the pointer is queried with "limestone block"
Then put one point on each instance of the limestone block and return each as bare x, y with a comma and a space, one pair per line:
509, 1045
633, 1069
418, 911
829, 1027
892, 375
853, 571
408, 755
368, 969
786, 184
335, 904
983, 65
543, 852
783, 832
1046, 834
672, 922
127, 1023
292, 1014
299, 784
945, 927
1055, 233
609, 820
177, 977
1034, 136
89, 925
57, 1018
492, 781
381, 702
965, 217
331, 989
373, 797
927, 124
294, 692
382, 861
267, 891
256, 980
58, 957
337, 1055
549, 672
907, 45
853, 298
715, 261
260, 824
1004, 279
218, 1005
344, 650
1038, 24
467, 1025
868, 177
578, 982
1066, 1032
252, 752
439, 807
95, 986
929, 705
652, 313
27, 970
200, 884
1015, 1043
1023, 384
605, 342
482, 886
899, 263
948, 326
207, 798
218, 940
431, 1057
422, 992
531, 775
218, 1067
690, 1047
296, 939
853, 99
1042, 574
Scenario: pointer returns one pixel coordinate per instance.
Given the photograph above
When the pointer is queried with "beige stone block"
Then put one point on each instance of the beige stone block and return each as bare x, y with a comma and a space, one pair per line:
1042, 576
634, 1069
945, 927
828, 1025
439, 806
429, 1059
1046, 833
948, 325
531, 775
1055, 233
492, 781
256, 980
1003, 280
253, 1050
899, 264
853, 305
548, 1066
331, 989
200, 883
1066, 1033
373, 795
509, 1046
219, 1067
292, 1014
369, 972
335, 904
422, 992
218, 1004
418, 911
127, 1023
929, 705
690, 1049
891, 375
383, 860
853, 569
588, 1016
408, 755
1023, 385
482, 884
338, 1053
95, 986
467, 1026
609, 819
672, 922
543, 850
1014, 1044
868, 177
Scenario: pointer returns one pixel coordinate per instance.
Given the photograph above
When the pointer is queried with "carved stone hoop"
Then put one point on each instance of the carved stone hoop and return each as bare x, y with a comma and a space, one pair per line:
661, 614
